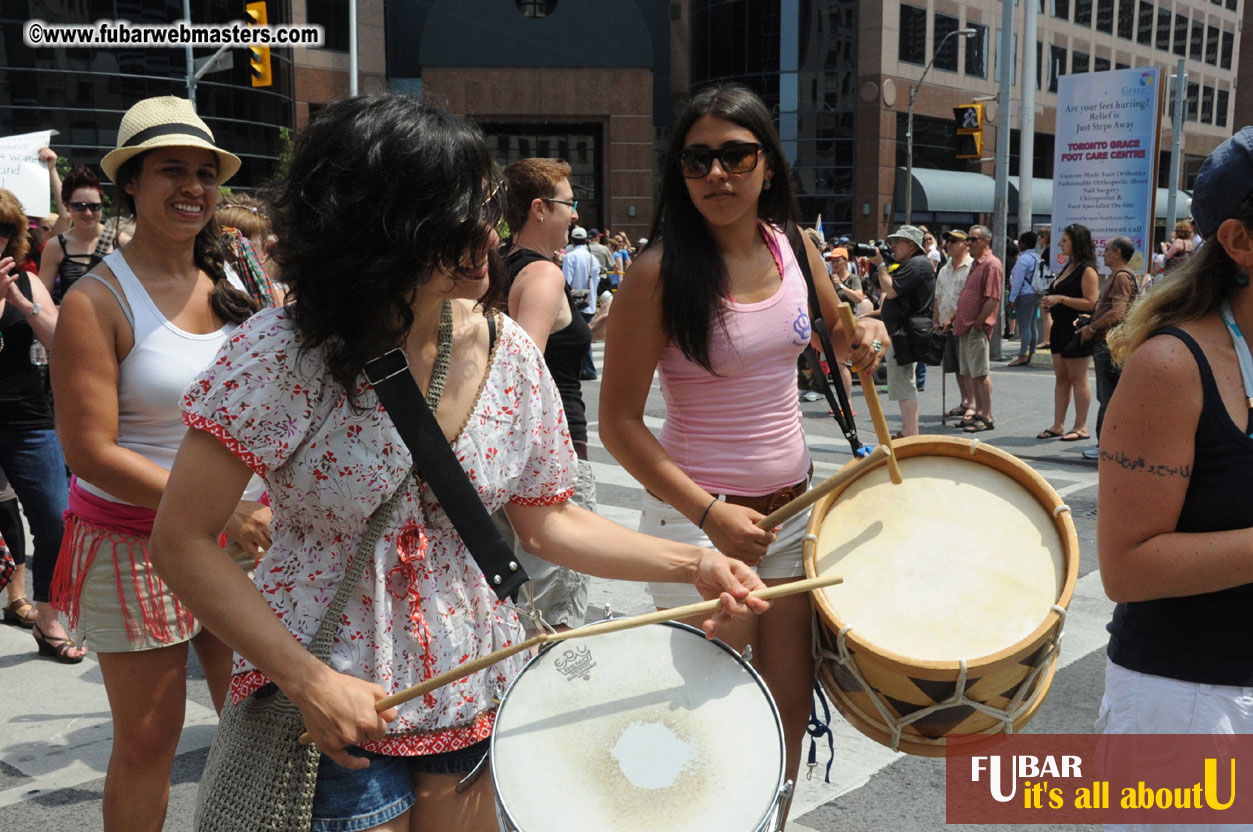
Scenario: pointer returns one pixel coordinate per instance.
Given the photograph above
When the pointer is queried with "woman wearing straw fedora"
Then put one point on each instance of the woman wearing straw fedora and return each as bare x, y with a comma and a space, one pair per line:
135, 331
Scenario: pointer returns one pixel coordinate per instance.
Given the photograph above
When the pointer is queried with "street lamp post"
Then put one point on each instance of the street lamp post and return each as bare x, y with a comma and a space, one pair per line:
909, 129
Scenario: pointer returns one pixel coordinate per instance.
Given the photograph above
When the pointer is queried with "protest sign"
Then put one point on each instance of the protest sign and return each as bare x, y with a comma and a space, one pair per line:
23, 174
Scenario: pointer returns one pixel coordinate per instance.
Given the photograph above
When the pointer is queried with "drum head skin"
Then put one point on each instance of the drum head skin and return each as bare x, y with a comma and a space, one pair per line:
956, 562
652, 728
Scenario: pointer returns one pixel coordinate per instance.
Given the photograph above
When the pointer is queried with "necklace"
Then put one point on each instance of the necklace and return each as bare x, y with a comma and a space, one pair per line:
443, 357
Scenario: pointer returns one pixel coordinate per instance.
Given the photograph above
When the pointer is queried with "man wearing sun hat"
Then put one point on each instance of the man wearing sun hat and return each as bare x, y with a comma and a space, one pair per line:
908, 291
165, 121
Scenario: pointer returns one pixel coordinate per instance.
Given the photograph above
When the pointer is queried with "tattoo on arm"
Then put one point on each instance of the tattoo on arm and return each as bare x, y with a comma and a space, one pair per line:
1139, 464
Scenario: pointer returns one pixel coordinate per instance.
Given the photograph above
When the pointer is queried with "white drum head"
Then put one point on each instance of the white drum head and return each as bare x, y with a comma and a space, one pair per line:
958, 561
653, 728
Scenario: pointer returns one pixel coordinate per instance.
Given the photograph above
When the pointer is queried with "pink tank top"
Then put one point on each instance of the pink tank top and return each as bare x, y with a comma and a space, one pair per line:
739, 432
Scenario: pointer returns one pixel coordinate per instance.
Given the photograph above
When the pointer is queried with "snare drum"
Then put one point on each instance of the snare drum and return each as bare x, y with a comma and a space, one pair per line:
956, 583
653, 728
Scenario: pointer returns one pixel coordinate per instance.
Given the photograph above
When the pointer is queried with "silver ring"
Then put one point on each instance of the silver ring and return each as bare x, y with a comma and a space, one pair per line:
876, 345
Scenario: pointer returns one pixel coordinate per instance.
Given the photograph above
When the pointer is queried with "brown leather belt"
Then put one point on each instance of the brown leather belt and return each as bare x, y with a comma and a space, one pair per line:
766, 503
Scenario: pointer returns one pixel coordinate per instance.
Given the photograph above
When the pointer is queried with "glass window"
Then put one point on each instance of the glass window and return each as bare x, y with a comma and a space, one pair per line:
1061, 9
1231, 4
1105, 16
945, 57
1083, 12
977, 51
1211, 45
333, 17
1228, 46
1040, 69
1207, 105
913, 43
1144, 34
1102, 65
1163, 29
1057, 65
1191, 105
1220, 112
1079, 62
1196, 41
1127, 19
1181, 35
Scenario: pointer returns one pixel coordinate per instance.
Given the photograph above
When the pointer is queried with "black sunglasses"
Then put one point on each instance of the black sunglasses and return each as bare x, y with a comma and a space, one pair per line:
734, 157
86, 206
8, 229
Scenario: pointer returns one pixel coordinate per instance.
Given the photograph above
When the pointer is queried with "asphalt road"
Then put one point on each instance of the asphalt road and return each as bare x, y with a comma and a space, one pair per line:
57, 734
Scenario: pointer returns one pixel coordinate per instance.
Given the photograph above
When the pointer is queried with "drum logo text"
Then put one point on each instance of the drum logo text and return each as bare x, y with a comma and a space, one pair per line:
576, 663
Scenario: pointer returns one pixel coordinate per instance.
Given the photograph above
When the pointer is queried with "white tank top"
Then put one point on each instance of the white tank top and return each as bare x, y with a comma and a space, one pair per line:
154, 375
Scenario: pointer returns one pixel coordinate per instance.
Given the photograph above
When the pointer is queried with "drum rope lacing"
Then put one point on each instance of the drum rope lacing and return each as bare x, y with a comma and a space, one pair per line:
1006, 715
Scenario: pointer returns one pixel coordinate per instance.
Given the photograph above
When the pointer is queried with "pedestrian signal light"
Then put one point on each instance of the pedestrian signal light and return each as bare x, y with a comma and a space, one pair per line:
259, 56
969, 145
969, 123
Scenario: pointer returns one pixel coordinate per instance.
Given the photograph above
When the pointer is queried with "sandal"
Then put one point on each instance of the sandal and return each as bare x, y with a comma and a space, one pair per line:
20, 612
1075, 436
959, 410
967, 421
57, 648
980, 424
1019, 361
1048, 433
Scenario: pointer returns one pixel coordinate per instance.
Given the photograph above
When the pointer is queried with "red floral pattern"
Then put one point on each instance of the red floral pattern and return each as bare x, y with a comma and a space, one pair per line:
422, 606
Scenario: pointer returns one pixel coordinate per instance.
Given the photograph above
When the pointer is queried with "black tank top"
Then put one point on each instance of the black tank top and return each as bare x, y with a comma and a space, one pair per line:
565, 349
23, 405
1200, 638
73, 267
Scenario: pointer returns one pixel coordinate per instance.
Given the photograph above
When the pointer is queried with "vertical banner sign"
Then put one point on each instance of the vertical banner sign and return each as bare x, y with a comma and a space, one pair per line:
21, 172
1105, 161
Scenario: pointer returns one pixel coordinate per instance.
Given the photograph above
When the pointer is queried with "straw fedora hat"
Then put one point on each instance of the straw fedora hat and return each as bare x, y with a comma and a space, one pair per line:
165, 121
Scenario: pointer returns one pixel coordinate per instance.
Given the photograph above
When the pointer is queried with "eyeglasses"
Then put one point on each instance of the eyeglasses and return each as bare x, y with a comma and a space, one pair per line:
735, 157
8, 229
975, 239
83, 207
573, 203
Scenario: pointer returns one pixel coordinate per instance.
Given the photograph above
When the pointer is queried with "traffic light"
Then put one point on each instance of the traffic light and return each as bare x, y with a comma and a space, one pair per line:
969, 119
259, 56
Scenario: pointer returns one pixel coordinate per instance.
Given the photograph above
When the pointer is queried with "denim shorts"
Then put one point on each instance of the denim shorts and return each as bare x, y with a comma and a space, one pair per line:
350, 800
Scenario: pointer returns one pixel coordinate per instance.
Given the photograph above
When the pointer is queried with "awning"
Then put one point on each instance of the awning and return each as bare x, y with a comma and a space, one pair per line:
957, 196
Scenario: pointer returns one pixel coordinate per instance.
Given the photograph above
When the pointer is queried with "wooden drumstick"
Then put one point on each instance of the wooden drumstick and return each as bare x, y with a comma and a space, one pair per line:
823, 488
872, 398
611, 626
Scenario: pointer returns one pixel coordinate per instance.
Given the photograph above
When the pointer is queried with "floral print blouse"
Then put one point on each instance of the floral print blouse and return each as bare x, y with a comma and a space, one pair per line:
422, 606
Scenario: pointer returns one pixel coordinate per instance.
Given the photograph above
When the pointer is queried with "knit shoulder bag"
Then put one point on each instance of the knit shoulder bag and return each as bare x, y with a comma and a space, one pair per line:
258, 777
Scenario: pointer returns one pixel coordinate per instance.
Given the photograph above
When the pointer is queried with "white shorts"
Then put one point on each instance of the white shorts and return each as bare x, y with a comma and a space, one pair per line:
1140, 703
783, 560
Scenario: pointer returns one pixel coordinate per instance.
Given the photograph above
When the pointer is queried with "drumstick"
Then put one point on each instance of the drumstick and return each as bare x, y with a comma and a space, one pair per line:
872, 398
823, 488
611, 626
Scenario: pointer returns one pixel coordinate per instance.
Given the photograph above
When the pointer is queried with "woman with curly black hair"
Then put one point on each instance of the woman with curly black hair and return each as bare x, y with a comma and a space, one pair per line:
717, 304
287, 399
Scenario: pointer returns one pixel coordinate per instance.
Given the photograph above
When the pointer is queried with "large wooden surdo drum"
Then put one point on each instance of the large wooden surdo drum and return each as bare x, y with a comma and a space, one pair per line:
956, 583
